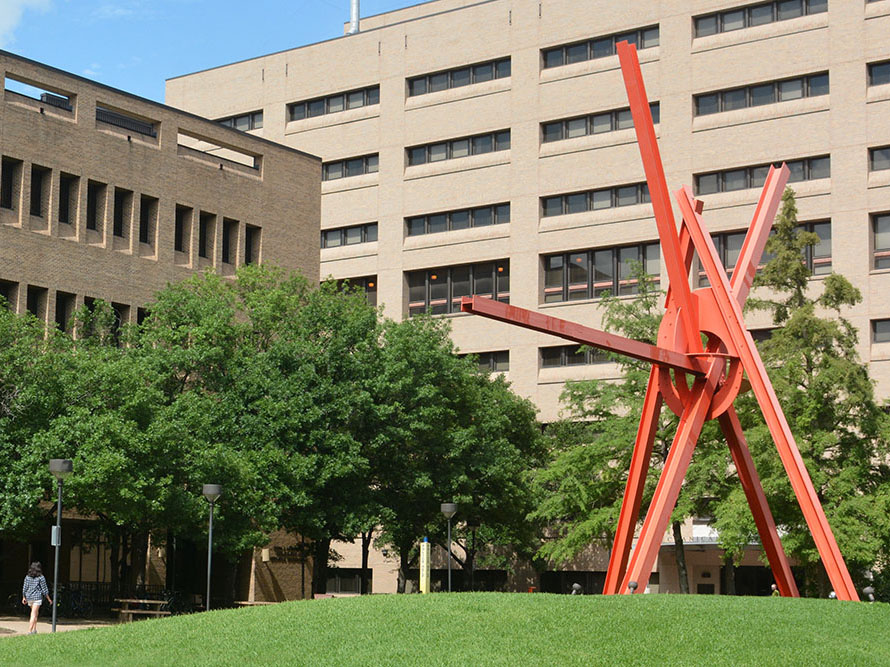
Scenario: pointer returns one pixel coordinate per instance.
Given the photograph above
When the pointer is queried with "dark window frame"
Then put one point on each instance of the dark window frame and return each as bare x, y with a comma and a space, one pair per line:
809, 88
368, 234
502, 68
599, 47
500, 273
877, 71
559, 130
755, 174
591, 200
880, 254
301, 110
253, 120
499, 214
370, 164
497, 137
591, 288
872, 152
808, 8
565, 356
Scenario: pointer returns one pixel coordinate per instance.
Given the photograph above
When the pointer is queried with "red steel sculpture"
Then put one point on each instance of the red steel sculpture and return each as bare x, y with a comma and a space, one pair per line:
716, 370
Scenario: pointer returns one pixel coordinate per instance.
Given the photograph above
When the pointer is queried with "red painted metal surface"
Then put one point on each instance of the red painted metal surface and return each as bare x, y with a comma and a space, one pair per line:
715, 311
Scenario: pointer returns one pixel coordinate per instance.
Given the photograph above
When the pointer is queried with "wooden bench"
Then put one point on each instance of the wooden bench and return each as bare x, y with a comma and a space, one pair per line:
254, 603
126, 612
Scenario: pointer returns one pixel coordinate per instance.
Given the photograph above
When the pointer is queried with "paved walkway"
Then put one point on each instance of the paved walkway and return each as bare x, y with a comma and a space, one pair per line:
18, 625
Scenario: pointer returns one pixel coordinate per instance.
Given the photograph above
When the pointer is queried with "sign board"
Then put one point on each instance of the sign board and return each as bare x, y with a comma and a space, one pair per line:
425, 566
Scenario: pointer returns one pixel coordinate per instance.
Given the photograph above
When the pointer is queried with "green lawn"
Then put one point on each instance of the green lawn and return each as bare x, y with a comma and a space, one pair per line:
487, 628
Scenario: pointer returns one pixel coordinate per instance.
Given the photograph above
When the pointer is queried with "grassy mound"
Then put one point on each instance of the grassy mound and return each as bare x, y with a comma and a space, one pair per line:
487, 628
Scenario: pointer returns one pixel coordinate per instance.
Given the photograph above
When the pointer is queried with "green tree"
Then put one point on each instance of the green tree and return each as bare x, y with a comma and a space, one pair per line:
581, 490
828, 398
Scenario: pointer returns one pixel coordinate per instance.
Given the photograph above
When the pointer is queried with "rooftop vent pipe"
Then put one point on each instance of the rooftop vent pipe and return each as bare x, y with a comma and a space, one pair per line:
353, 17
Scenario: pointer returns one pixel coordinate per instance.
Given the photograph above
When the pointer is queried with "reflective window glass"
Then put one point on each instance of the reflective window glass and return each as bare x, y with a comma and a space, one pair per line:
332, 238
790, 90
707, 104
735, 99
483, 144
734, 20
576, 53
818, 85
482, 216
483, 73
601, 122
438, 152
355, 99
460, 77
576, 203
416, 226
316, 108
437, 223
373, 95
624, 120
502, 213
576, 127
735, 180
708, 183
553, 58
336, 103
600, 48
880, 159
460, 148
460, 220
763, 94
626, 196
706, 25
483, 278
552, 131
760, 14
502, 141
353, 235
438, 82
788, 9
601, 199
333, 171
502, 69
551, 206
417, 86
355, 167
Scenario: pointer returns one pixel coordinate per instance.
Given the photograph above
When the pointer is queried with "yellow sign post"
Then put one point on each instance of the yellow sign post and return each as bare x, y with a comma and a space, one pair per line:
425, 565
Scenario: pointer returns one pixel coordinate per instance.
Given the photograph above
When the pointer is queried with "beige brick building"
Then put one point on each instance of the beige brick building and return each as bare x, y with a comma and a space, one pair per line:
104, 195
484, 147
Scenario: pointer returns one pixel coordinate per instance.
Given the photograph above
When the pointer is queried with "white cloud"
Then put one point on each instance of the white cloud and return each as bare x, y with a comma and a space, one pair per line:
11, 15
92, 70
112, 11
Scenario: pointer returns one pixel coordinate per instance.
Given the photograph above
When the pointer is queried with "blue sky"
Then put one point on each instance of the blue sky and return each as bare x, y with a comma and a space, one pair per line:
136, 44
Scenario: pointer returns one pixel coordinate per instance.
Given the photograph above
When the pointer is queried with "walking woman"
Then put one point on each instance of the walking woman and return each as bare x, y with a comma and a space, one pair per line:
33, 591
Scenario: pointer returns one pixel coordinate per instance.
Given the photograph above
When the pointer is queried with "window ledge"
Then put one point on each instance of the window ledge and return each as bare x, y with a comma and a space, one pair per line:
879, 93
454, 94
759, 33
759, 114
749, 196
331, 119
876, 9
457, 165
438, 240
562, 374
350, 183
595, 218
349, 251
879, 179
589, 142
879, 272
129, 135
595, 66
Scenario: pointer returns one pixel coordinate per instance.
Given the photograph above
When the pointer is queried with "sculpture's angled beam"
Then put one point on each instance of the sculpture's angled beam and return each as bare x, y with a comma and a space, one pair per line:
763, 518
658, 191
633, 490
642, 453
529, 319
665, 498
758, 232
769, 405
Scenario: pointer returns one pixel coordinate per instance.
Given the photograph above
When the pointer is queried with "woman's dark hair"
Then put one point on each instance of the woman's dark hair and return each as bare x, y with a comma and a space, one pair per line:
35, 570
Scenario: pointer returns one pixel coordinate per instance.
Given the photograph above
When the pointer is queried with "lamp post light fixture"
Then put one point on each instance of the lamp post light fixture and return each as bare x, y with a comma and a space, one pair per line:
211, 492
60, 469
449, 510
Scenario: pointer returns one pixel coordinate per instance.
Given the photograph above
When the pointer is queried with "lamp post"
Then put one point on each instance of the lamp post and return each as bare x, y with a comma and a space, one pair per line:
60, 469
449, 510
212, 492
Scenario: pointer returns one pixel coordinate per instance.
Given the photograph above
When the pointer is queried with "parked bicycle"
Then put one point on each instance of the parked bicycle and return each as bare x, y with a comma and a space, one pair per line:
14, 605
74, 604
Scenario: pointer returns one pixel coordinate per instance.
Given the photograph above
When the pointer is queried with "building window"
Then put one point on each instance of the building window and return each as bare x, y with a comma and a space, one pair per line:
458, 148
599, 272
229, 241
881, 240
482, 216
816, 257
321, 106
123, 205
594, 200
333, 238
356, 166
441, 290
879, 73
560, 356
600, 123
10, 182
879, 158
148, 218
36, 298
39, 190
755, 15
252, 235
68, 200
368, 284
65, 303
182, 228
244, 122
95, 205
206, 233
493, 362
759, 94
599, 47
459, 77
743, 178
346, 580
880, 331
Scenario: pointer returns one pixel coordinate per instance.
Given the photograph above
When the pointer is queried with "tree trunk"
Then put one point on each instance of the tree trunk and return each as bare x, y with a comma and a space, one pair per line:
680, 555
114, 544
321, 552
404, 564
730, 578
366, 545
